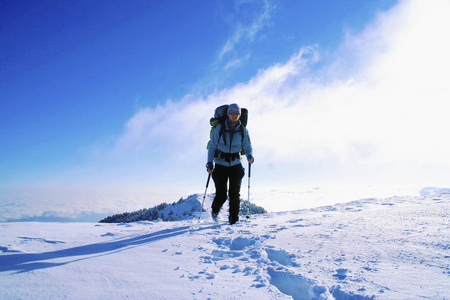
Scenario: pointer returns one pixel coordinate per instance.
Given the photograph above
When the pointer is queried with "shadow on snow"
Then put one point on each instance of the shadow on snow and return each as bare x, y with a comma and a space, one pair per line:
36, 261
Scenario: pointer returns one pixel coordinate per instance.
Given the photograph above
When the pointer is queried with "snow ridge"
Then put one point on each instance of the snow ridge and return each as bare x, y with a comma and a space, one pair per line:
183, 209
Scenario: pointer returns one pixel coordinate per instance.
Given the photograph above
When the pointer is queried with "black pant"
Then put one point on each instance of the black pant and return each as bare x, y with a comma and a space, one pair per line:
221, 175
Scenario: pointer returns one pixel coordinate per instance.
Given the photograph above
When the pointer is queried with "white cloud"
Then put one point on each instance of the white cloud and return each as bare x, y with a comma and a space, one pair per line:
175, 129
384, 117
245, 33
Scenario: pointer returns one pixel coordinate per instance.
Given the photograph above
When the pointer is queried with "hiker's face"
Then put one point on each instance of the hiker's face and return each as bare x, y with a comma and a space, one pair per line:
234, 115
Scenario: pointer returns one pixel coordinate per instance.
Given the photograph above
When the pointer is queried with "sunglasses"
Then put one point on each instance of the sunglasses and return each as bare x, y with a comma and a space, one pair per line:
234, 112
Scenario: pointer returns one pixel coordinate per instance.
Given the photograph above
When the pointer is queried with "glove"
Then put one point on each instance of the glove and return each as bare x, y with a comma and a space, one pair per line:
209, 166
250, 159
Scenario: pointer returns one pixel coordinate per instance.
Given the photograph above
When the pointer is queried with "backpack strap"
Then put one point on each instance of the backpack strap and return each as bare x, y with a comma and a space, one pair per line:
242, 140
222, 125
241, 130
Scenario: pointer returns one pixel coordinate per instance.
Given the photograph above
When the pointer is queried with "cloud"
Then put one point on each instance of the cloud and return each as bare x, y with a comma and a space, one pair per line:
75, 204
245, 33
377, 111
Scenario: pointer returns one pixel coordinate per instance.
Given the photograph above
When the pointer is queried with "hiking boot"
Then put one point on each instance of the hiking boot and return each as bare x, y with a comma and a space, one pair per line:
215, 216
233, 219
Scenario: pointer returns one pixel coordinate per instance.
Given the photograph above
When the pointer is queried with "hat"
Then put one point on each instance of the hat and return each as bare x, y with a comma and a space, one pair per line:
233, 106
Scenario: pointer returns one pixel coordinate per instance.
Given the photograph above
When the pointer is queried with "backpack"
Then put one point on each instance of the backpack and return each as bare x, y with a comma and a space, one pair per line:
220, 115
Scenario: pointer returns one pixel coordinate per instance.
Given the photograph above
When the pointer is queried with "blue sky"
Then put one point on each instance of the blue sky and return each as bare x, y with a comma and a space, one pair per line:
114, 93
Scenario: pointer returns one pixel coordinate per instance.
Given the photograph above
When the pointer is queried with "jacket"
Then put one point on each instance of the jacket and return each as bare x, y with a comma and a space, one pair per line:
219, 149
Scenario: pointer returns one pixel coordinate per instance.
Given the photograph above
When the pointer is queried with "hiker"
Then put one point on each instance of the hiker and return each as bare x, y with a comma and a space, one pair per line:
227, 142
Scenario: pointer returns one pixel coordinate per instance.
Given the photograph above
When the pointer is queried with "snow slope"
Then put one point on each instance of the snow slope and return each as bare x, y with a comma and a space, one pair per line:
394, 248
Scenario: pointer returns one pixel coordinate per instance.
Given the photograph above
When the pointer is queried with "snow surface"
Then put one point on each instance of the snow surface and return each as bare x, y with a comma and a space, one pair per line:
392, 248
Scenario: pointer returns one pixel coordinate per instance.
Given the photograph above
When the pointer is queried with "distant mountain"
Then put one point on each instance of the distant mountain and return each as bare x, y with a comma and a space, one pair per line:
183, 209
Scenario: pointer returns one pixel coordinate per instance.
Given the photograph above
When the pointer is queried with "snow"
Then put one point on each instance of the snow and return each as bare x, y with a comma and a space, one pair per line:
376, 248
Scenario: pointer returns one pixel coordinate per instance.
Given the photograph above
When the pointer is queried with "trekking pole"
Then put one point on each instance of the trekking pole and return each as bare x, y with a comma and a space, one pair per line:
201, 210
248, 199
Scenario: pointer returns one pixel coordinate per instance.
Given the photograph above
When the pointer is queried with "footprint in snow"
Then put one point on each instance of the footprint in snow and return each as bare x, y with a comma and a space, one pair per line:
294, 285
236, 244
295, 221
206, 259
207, 274
193, 277
280, 256
226, 242
341, 274
277, 229
108, 234
220, 254
240, 243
